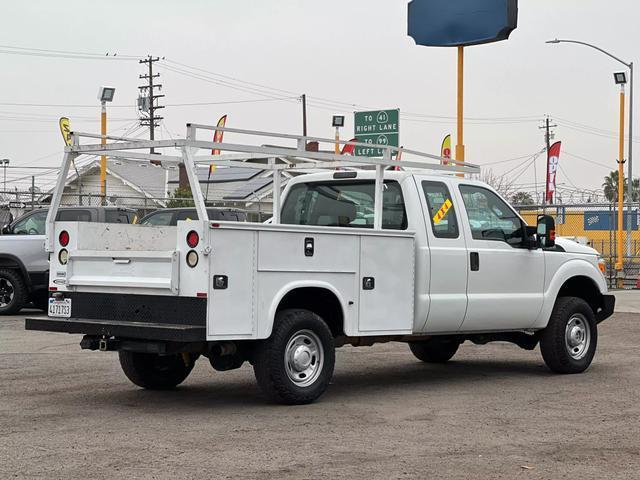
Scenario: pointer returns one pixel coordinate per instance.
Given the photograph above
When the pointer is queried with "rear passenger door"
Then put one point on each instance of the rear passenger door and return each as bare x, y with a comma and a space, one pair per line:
448, 252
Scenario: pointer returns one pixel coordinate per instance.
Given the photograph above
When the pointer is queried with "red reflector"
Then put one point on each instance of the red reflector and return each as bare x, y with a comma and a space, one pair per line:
552, 234
201, 295
192, 239
53, 289
64, 238
215, 225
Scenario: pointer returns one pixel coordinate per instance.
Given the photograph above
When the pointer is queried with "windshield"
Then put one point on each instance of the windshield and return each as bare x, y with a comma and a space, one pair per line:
343, 204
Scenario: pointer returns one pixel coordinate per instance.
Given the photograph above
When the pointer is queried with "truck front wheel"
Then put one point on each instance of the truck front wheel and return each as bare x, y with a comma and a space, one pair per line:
568, 343
436, 350
155, 372
294, 365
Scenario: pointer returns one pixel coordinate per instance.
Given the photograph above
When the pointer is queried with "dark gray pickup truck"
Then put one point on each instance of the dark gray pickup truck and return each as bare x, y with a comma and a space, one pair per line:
24, 263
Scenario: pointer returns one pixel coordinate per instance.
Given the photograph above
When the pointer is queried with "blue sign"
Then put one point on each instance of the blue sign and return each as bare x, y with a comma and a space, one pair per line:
453, 23
608, 220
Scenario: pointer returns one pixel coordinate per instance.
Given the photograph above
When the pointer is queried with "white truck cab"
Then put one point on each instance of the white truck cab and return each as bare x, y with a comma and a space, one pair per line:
352, 256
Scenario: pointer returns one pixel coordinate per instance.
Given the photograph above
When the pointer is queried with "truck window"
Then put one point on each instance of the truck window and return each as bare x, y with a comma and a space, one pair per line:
442, 215
490, 218
343, 204
32, 225
74, 216
114, 216
160, 218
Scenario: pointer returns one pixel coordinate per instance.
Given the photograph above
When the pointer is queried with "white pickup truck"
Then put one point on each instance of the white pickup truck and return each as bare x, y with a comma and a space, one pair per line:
352, 257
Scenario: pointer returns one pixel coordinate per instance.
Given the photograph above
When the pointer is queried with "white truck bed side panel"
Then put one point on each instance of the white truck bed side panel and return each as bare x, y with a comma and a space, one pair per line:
388, 307
232, 311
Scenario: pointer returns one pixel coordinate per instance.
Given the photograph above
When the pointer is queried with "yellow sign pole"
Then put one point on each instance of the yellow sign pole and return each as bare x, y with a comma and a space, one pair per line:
619, 263
460, 138
337, 146
103, 159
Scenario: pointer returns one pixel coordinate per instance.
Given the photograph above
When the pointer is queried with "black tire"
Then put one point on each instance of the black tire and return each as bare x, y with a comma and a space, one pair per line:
436, 350
13, 292
289, 382
563, 352
156, 372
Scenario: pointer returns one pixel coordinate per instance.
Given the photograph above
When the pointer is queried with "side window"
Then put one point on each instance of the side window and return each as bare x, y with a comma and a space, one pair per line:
187, 215
115, 216
490, 217
32, 225
74, 216
344, 204
441, 210
161, 218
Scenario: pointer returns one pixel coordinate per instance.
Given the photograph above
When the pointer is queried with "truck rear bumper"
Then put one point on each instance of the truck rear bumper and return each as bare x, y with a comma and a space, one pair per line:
120, 329
608, 304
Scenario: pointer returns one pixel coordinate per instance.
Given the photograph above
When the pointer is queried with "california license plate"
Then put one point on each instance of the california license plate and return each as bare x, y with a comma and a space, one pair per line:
60, 308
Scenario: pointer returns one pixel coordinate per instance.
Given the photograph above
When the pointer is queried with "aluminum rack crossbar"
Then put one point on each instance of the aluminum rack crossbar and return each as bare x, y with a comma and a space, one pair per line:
248, 155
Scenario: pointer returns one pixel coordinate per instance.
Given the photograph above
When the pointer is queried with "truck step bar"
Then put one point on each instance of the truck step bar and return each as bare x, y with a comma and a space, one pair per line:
110, 328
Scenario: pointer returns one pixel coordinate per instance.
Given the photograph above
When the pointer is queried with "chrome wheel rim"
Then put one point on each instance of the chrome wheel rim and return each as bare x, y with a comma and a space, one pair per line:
6, 292
303, 358
577, 336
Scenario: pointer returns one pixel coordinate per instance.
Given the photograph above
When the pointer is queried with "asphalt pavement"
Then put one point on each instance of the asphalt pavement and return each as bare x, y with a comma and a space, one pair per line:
495, 411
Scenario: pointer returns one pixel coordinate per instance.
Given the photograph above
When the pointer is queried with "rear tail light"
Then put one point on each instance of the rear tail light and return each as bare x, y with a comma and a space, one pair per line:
192, 239
192, 258
64, 238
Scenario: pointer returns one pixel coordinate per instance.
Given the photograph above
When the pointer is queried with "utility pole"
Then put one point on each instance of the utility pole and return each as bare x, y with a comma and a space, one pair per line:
548, 135
147, 103
304, 114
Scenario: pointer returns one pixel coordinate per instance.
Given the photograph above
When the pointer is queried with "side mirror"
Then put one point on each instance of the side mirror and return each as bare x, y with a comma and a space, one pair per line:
546, 231
6, 229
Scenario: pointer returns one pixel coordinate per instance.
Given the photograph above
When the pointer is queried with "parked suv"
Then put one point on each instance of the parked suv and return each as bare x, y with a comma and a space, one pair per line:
24, 263
171, 216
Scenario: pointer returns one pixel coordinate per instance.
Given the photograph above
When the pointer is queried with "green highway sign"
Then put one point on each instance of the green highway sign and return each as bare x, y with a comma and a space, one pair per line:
376, 127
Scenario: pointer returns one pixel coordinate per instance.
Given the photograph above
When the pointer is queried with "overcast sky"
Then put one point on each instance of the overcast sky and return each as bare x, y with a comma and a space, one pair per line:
356, 52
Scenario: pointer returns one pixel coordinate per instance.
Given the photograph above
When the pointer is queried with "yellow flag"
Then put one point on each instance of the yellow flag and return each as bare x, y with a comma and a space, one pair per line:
65, 130
445, 150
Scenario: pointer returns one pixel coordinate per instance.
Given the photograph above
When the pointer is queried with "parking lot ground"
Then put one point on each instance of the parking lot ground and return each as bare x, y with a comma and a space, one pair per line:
495, 411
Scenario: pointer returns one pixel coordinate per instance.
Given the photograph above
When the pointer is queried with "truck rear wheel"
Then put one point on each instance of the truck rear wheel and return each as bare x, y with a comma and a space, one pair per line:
155, 372
568, 343
436, 350
13, 292
295, 365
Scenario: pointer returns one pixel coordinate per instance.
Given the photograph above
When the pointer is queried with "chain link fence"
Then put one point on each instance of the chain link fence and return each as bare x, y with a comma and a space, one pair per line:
15, 204
595, 225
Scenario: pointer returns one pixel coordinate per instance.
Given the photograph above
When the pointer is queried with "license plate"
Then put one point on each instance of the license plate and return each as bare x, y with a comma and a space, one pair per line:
60, 308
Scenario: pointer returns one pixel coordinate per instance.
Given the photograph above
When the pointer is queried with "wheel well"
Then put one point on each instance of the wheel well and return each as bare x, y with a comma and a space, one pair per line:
320, 301
584, 288
9, 262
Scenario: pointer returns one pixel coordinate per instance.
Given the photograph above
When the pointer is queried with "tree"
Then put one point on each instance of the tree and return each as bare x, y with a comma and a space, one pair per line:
610, 188
181, 197
522, 198
501, 184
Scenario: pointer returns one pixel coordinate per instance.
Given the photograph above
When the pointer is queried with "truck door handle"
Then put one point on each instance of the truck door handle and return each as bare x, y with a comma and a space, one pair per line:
123, 261
474, 258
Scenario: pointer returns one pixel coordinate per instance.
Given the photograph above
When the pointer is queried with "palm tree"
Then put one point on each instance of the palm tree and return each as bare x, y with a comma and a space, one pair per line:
522, 198
610, 187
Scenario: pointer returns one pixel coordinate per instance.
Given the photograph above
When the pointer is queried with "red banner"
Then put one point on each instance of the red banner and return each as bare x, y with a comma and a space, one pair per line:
552, 168
217, 137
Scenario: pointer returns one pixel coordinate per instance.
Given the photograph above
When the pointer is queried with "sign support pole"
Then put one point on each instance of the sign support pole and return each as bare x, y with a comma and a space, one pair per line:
460, 138
619, 263
103, 158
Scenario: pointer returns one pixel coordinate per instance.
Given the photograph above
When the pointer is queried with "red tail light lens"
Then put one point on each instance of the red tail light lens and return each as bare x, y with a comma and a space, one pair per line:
64, 238
193, 239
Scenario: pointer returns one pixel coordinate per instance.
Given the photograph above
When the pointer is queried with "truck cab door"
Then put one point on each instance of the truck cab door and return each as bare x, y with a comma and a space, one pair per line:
448, 256
506, 280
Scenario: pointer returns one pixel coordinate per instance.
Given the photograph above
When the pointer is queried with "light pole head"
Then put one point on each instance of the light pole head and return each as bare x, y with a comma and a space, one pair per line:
106, 94
337, 121
5, 161
620, 78
555, 40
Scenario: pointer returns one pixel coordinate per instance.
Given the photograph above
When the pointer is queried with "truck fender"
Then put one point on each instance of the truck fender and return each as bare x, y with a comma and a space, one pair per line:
12, 262
576, 267
289, 287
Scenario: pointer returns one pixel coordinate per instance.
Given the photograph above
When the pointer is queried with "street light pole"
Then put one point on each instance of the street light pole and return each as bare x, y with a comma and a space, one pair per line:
629, 65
